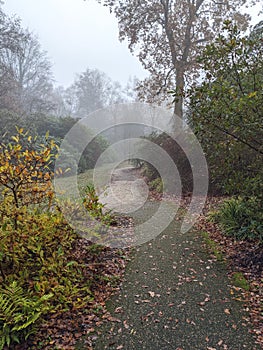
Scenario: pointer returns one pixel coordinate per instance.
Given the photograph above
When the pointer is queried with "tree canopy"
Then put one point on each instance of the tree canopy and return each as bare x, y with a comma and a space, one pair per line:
168, 35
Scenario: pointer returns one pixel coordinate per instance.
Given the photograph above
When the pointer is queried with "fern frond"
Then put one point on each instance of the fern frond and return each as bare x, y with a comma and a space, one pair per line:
19, 312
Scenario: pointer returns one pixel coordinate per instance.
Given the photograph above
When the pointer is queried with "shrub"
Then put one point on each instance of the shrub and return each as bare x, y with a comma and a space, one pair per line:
36, 243
24, 171
94, 206
242, 218
172, 148
226, 108
157, 185
38, 254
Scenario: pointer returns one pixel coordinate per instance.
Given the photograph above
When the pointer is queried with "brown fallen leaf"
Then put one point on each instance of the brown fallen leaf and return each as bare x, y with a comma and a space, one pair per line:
113, 319
227, 311
78, 335
118, 310
126, 324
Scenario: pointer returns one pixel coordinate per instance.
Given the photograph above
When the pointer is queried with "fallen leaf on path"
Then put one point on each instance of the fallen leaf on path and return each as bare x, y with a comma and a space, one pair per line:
118, 310
126, 324
113, 319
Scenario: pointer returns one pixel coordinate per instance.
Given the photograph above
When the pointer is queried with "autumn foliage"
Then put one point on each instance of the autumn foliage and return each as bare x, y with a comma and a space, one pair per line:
41, 268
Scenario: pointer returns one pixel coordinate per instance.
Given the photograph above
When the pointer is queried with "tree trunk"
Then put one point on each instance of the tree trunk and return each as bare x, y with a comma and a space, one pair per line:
178, 106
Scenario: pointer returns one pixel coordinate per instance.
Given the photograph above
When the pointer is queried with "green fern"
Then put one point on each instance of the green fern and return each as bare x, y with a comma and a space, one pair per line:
18, 313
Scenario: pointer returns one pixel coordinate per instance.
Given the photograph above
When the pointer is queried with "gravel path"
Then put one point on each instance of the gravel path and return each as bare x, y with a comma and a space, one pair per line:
175, 297
126, 192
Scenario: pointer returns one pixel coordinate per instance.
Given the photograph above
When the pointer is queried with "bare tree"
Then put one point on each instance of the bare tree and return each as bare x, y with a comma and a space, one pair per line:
91, 91
130, 89
168, 35
29, 75
11, 32
11, 36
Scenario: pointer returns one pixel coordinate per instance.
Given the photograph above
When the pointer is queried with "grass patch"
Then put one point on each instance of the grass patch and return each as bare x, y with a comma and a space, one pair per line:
240, 281
212, 245
83, 179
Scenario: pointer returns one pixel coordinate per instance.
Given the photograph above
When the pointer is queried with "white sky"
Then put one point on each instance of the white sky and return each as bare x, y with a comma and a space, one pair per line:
77, 35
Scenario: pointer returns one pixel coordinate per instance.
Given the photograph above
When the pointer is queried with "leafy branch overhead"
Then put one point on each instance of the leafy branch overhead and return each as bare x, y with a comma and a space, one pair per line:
231, 94
168, 35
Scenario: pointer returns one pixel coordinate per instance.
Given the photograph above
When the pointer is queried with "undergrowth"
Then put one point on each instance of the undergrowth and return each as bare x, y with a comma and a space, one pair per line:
241, 218
39, 272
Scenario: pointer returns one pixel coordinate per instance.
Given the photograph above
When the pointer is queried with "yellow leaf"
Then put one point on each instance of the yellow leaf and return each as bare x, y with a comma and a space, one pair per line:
16, 139
252, 94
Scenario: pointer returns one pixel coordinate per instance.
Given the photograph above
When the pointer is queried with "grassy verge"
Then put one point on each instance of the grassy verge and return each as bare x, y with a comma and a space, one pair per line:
83, 179
244, 260
212, 246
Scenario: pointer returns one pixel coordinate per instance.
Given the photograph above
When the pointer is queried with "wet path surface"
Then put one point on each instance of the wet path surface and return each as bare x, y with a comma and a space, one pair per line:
174, 297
